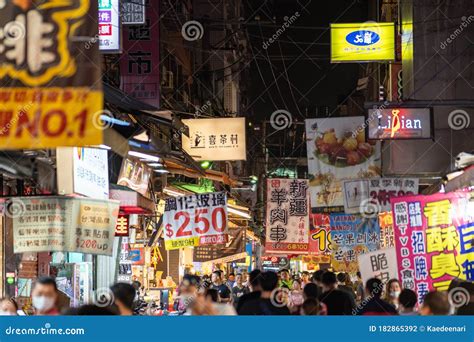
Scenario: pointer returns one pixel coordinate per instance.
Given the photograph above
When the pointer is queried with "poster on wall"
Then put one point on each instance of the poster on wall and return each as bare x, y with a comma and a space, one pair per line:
373, 195
195, 220
140, 73
320, 235
337, 150
109, 26
380, 264
58, 224
51, 80
215, 139
135, 175
287, 223
434, 240
352, 235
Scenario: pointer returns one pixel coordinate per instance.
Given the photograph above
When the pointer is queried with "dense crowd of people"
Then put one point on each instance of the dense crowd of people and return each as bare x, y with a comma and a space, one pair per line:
266, 293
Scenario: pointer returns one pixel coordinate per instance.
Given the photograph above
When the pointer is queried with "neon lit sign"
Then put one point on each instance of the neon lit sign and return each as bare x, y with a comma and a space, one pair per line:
400, 123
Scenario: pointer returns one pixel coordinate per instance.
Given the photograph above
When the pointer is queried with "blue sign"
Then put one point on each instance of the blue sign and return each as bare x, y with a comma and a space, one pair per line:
362, 38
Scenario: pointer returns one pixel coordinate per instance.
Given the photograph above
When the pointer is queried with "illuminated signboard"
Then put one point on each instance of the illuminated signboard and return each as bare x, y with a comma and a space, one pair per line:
400, 123
362, 42
109, 25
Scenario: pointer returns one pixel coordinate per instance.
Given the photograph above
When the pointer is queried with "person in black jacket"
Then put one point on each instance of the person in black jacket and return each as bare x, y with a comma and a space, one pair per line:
337, 302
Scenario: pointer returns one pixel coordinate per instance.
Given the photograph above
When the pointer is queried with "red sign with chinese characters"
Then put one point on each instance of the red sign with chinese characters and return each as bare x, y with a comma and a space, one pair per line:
122, 226
140, 62
434, 240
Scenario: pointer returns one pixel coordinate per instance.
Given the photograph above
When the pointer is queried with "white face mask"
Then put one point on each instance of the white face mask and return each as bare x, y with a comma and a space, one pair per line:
394, 294
43, 303
7, 313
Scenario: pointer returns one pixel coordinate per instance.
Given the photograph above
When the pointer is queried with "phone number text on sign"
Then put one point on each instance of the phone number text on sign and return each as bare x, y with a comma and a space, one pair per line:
195, 220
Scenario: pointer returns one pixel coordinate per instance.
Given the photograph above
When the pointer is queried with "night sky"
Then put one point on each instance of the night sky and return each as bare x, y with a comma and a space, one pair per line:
294, 72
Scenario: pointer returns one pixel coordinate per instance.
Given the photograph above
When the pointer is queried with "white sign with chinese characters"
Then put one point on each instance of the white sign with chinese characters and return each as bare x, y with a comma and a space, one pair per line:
380, 264
215, 139
91, 172
287, 224
109, 25
373, 195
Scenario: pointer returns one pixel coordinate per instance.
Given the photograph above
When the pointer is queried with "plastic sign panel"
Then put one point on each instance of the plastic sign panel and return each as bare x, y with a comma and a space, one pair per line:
133, 12
434, 240
215, 139
195, 220
287, 224
109, 25
319, 235
400, 123
51, 91
380, 264
362, 42
91, 172
60, 224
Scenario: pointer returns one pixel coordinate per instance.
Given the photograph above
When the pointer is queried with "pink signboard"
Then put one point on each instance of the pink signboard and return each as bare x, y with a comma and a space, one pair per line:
140, 62
434, 240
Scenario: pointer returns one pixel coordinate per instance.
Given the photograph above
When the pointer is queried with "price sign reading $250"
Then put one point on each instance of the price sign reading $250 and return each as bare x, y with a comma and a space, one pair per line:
195, 220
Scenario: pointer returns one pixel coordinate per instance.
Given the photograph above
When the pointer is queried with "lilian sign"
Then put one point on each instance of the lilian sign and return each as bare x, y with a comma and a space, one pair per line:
362, 42
400, 123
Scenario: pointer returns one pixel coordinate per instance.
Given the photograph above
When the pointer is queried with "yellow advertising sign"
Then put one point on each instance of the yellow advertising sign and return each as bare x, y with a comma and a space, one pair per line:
49, 117
362, 42
180, 243
50, 73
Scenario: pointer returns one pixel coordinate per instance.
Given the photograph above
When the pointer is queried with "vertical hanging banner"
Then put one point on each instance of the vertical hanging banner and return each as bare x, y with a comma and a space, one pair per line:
337, 150
387, 237
195, 220
434, 240
352, 235
109, 26
50, 73
287, 224
139, 65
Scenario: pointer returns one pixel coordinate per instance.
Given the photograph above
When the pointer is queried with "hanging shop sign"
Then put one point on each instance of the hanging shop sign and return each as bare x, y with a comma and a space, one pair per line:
352, 235
195, 220
320, 235
287, 224
380, 264
373, 195
58, 224
109, 25
362, 42
337, 150
84, 171
135, 175
133, 12
387, 236
215, 139
123, 225
139, 64
434, 240
400, 123
275, 263
235, 245
55, 80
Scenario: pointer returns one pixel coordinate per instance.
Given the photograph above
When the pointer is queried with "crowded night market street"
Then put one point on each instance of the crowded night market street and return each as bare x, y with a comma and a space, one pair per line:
237, 158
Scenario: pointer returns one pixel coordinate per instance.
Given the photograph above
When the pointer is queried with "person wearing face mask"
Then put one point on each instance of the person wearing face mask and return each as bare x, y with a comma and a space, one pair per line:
392, 292
44, 297
8, 307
